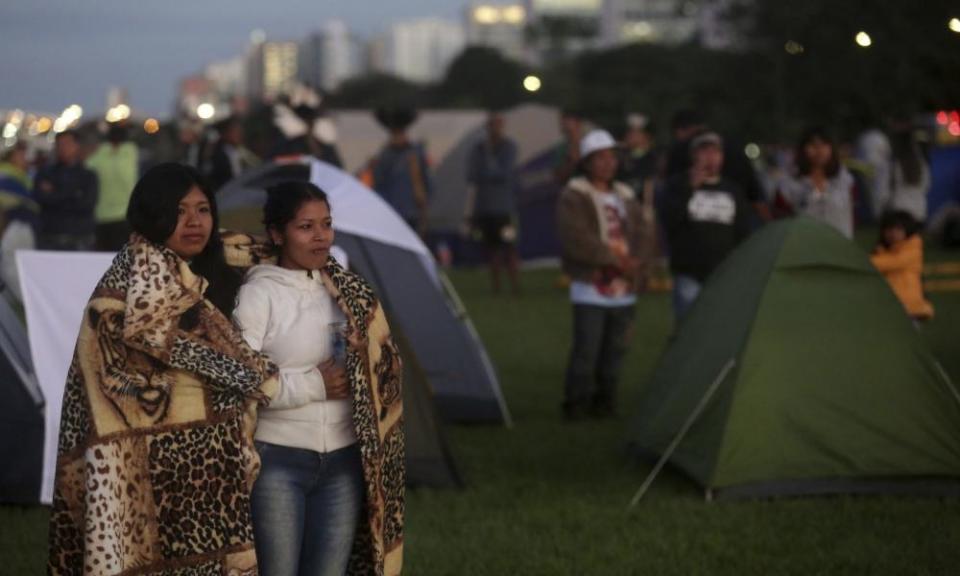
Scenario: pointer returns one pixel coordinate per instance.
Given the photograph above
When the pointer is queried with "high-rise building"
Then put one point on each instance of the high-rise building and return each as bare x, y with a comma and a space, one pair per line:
559, 28
330, 56
717, 30
271, 68
421, 50
227, 77
499, 26
576, 8
116, 95
654, 21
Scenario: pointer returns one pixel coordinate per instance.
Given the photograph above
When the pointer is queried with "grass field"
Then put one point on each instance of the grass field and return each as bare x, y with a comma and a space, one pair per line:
549, 498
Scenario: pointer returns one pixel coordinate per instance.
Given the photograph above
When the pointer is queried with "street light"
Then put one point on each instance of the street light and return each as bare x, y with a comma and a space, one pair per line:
863, 39
954, 25
206, 111
151, 126
531, 83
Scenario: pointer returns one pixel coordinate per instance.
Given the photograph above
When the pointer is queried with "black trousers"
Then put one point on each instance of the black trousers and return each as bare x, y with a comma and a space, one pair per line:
600, 338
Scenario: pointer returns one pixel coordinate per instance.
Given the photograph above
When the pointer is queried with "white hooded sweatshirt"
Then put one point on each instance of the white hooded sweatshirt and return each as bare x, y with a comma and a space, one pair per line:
287, 314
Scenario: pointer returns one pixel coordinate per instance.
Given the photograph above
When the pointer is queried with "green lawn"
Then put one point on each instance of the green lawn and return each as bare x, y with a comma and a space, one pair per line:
549, 498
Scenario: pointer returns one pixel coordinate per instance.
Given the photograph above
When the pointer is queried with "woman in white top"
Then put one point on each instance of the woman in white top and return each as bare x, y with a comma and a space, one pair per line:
307, 501
822, 187
910, 181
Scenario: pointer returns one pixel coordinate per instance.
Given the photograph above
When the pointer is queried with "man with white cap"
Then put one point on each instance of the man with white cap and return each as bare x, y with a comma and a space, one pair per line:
604, 241
705, 216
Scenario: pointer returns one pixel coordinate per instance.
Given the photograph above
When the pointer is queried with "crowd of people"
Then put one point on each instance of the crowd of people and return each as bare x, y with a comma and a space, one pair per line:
279, 328
693, 202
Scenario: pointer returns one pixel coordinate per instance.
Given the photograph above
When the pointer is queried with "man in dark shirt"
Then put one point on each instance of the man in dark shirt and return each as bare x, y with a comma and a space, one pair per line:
230, 157
401, 174
686, 125
67, 194
705, 217
491, 174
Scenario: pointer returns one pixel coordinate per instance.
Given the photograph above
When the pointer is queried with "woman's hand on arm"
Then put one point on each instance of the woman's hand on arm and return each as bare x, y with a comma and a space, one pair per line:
335, 380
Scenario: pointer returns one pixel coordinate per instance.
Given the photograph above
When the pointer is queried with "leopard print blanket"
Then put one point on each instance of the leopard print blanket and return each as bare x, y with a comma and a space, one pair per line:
156, 459
375, 373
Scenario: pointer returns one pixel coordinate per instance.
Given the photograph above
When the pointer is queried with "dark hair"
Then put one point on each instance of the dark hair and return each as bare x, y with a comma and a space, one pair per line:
906, 154
71, 133
117, 133
686, 118
898, 219
153, 213
285, 199
18, 146
224, 126
808, 136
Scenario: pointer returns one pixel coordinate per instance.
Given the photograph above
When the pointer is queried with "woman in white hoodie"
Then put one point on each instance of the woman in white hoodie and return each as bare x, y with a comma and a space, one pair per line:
307, 502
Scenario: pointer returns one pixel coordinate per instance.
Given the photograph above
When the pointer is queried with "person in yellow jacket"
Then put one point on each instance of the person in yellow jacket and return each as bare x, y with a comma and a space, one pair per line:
117, 165
899, 257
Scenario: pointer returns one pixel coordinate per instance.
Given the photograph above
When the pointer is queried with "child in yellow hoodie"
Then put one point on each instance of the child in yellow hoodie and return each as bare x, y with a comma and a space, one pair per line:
899, 257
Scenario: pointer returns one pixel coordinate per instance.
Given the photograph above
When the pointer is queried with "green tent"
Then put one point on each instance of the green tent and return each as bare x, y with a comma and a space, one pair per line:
798, 372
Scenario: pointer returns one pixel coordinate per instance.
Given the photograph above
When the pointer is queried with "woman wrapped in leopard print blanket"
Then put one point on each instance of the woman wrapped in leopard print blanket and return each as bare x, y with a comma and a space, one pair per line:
374, 372
156, 459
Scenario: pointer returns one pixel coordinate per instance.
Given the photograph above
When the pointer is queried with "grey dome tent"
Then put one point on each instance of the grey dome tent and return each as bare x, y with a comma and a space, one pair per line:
416, 295
21, 414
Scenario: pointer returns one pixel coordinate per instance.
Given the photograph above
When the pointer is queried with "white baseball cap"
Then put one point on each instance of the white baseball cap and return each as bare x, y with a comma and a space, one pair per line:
596, 140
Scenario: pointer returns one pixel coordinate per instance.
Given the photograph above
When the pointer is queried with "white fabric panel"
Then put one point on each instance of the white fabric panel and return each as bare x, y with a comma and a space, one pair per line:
56, 287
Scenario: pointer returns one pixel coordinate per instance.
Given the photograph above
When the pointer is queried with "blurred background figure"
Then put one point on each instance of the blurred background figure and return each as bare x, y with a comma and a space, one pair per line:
15, 181
899, 257
910, 181
639, 158
873, 148
568, 151
190, 140
821, 188
705, 216
684, 125
688, 123
492, 209
305, 128
401, 173
18, 214
602, 234
116, 163
67, 193
230, 158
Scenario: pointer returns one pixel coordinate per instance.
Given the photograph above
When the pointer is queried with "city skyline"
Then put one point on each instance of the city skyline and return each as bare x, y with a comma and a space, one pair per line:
146, 49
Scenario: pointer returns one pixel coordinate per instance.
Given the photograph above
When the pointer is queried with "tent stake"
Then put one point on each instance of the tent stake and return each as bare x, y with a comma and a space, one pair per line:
683, 432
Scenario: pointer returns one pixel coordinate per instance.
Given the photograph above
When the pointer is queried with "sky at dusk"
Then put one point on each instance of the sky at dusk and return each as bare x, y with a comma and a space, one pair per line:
57, 52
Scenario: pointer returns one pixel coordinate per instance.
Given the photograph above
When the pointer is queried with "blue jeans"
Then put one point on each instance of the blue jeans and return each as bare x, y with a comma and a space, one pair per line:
305, 508
686, 289
600, 339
